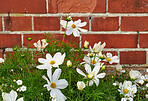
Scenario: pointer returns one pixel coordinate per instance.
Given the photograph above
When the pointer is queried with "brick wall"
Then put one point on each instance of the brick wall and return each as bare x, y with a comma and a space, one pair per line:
122, 24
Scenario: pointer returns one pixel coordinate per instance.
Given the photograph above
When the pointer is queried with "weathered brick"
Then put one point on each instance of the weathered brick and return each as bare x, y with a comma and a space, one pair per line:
105, 23
77, 6
57, 37
143, 40
47, 23
83, 19
0, 23
18, 23
23, 6
128, 6
112, 40
134, 23
133, 57
1, 53
10, 40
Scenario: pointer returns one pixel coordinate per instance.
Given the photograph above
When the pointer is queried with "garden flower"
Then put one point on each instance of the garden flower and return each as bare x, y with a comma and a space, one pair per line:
50, 61
111, 59
11, 97
81, 85
127, 99
23, 88
86, 43
101, 56
97, 47
134, 74
127, 89
146, 78
40, 47
1, 60
53, 84
92, 75
69, 63
119, 68
73, 27
19, 82
146, 95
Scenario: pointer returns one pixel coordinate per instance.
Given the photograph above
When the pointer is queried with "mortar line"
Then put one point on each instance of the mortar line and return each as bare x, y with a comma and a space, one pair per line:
22, 36
106, 6
119, 23
146, 57
118, 55
3, 24
47, 5
90, 23
32, 23
138, 46
60, 24
80, 41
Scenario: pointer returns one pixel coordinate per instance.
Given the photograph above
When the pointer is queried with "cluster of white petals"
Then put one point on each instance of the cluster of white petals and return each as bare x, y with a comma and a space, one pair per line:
40, 45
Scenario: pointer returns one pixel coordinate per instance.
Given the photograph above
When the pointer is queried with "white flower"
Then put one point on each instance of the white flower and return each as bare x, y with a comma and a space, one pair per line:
118, 68
127, 89
147, 70
92, 74
54, 84
19, 89
11, 97
1, 60
86, 43
19, 82
73, 27
141, 82
146, 78
81, 85
97, 47
115, 84
40, 47
69, 63
146, 95
50, 61
23, 88
111, 59
147, 85
134, 74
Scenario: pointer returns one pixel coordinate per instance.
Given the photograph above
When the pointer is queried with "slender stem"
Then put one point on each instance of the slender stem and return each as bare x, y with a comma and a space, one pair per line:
70, 82
64, 34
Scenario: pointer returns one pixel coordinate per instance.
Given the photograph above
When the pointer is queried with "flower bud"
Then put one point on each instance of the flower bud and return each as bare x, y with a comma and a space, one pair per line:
91, 55
29, 38
101, 56
81, 85
1, 60
68, 18
118, 68
103, 68
69, 64
86, 43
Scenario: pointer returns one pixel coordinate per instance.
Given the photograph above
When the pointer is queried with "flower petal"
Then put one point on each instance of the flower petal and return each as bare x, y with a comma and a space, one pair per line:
48, 57
91, 83
20, 99
6, 96
49, 73
63, 23
101, 75
13, 95
69, 31
60, 59
96, 69
82, 24
43, 66
56, 75
42, 60
82, 30
76, 33
96, 80
87, 68
80, 72
61, 84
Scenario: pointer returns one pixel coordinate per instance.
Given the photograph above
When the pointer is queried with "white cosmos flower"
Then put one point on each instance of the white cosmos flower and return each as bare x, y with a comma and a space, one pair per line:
50, 61
134, 74
97, 47
39, 46
92, 74
11, 97
1, 60
111, 59
81, 85
19, 82
53, 84
93, 61
23, 88
73, 27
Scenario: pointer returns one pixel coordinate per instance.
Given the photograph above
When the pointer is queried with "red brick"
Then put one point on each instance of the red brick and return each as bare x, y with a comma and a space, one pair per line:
18, 23
77, 6
23, 6
112, 40
10, 40
134, 23
47, 23
83, 19
100, 7
143, 40
57, 37
133, 57
105, 23
0, 23
1, 53
128, 6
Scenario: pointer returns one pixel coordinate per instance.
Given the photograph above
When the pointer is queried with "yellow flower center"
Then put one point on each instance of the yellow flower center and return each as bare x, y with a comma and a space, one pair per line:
90, 75
108, 59
52, 62
73, 26
93, 61
53, 85
125, 91
146, 79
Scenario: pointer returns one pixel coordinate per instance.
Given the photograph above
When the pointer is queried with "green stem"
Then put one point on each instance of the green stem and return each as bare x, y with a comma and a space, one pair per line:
64, 34
70, 80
